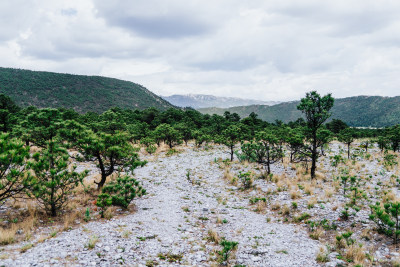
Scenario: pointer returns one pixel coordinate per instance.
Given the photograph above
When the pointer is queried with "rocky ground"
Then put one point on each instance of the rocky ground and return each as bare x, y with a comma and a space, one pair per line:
189, 207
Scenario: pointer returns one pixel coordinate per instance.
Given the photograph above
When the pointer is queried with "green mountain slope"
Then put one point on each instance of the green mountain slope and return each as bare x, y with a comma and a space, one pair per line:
359, 111
79, 92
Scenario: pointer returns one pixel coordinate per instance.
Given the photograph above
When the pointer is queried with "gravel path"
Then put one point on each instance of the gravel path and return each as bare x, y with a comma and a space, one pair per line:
170, 227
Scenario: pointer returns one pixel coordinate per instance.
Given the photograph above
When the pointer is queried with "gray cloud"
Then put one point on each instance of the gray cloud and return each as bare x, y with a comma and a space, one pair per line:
161, 26
265, 49
154, 19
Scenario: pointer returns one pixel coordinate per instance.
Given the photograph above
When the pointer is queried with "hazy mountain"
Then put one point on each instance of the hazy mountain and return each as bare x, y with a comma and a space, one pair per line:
363, 111
79, 92
205, 101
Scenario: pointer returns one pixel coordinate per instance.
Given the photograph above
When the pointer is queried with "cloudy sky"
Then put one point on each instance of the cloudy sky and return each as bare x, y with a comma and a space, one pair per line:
268, 50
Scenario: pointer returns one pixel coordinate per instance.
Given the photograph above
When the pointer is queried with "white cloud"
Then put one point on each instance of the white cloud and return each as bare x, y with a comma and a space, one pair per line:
271, 50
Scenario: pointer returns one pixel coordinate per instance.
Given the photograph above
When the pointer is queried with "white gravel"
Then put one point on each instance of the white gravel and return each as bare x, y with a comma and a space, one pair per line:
162, 226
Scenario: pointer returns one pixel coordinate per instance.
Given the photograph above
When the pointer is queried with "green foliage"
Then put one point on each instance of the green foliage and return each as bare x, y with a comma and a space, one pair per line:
227, 248
344, 180
185, 131
302, 217
387, 218
389, 160
109, 150
41, 126
7, 109
14, 179
347, 136
347, 237
54, 182
103, 202
374, 111
265, 150
87, 215
336, 126
393, 136
344, 214
149, 143
246, 179
382, 142
79, 92
201, 137
167, 134
123, 190
317, 111
295, 142
336, 160
230, 137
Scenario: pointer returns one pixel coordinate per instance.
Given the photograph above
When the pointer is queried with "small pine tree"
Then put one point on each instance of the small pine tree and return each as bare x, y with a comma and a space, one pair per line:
124, 190
14, 179
103, 202
387, 218
53, 182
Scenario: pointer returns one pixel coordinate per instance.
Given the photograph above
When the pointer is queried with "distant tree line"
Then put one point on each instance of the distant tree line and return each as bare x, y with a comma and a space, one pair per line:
110, 140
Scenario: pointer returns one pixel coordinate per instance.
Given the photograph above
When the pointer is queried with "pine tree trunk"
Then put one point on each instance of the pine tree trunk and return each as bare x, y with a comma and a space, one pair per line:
348, 150
314, 158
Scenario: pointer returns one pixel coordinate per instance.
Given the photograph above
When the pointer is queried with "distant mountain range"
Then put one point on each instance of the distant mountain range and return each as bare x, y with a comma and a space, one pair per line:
98, 94
358, 111
79, 92
206, 101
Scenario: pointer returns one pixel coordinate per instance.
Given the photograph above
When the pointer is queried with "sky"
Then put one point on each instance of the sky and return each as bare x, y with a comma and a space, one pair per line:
265, 50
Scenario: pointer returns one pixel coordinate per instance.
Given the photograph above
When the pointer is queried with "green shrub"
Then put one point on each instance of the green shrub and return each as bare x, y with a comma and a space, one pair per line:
246, 179
387, 218
124, 190
13, 178
227, 248
103, 202
53, 182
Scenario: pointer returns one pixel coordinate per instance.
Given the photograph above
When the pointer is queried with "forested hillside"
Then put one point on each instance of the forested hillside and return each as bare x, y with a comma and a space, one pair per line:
359, 111
206, 101
79, 92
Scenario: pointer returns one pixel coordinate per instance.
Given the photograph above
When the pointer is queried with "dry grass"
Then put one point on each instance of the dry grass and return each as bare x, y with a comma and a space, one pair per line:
92, 242
358, 166
69, 219
366, 234
285, 210
322, 255
261, 206
228, 176
213, 236
294, 194
336, 185
300, 170
276, 206
162, 148
355, 253
309, 189
312, 201
109, 213
328, 192
390, 196
317, 233
26, 247
7, 236
126, 234
281, 186
320, 175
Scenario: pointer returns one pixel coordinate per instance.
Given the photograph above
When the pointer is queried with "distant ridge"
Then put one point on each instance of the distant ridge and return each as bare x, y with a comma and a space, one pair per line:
357, 111
79, 92
205, 101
